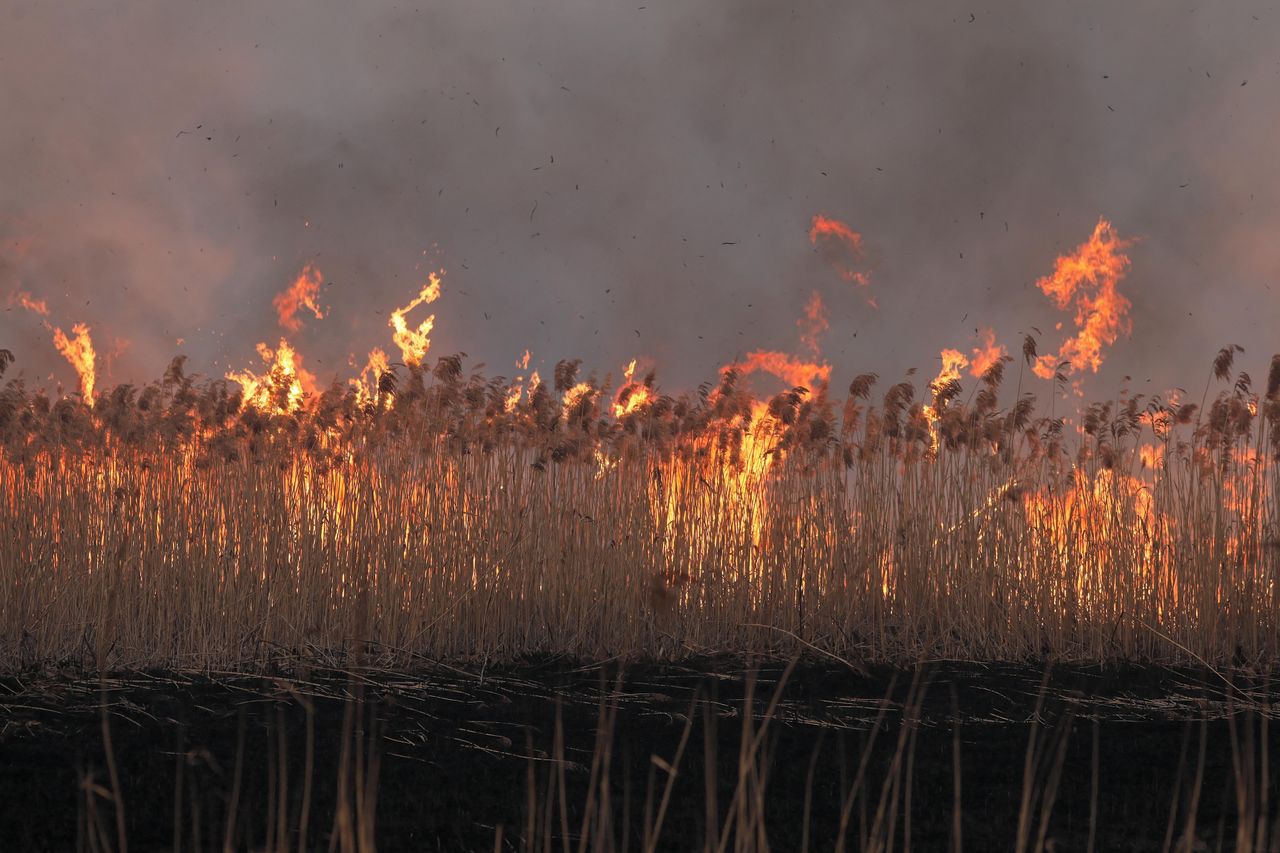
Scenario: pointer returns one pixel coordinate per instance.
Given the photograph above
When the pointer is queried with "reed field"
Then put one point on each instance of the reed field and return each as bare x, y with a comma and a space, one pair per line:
187, 524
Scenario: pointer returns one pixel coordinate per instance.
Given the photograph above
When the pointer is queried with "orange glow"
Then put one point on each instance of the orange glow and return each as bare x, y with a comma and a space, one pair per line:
813, 323
844, 246
789, 369
631, 396
415, 343
29, 302
1088, 277
953, 362
986, 353
367, 385
79, 351
282, 388
301, 294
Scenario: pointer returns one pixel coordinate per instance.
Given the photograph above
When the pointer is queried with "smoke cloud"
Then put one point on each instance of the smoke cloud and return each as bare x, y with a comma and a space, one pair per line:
608, 181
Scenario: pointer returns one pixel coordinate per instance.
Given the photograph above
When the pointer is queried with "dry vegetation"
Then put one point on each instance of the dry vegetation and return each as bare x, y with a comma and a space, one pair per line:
175, 525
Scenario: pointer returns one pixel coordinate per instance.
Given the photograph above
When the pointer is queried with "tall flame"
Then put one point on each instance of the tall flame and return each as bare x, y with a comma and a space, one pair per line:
1089, 276
414, 343
79, 351
301, 294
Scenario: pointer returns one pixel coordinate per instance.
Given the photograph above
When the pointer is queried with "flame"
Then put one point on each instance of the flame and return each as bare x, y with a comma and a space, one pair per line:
632, 396
283, 387
846, 248
523, 363
26, 300
953, 362
987, 353
813, 323
789, 369
414, 343
367, 385
79, 351
301, 294
1088, 276
1151, 456
575, 395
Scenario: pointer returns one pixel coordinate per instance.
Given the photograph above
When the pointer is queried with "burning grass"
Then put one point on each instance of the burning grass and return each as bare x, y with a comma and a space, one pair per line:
185, 524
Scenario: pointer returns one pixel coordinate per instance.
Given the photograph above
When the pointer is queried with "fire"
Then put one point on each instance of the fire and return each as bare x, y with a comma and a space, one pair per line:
845, 250
283, 387
631, 396
953, 362
986, 353
575, 396
301, 294
79, 351
813, 323
516, 389
414, 343
25, 300
1088, 277
370, 376
789, 369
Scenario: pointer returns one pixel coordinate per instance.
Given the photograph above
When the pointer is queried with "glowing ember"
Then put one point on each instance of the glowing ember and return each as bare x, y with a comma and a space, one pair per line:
301, 294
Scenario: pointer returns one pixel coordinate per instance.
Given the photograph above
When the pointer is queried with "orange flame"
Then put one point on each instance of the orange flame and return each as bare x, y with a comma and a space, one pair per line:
517, 387
791, 370
414, 343
953, 362
987, 353
631, 396
1088, 276
29, 302
282, 388
366, 386
813, 323
846, 254
79, 351
301, 294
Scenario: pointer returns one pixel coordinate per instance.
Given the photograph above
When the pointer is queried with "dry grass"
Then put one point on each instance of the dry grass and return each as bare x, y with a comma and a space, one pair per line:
173, 526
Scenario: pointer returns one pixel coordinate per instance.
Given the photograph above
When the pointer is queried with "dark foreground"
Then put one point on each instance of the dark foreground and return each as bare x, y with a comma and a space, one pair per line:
453, 759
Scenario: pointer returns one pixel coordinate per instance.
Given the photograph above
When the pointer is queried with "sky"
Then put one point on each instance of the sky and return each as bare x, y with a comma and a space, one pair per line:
608, 181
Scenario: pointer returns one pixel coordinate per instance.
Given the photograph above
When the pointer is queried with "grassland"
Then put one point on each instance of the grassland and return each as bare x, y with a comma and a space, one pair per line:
176, 525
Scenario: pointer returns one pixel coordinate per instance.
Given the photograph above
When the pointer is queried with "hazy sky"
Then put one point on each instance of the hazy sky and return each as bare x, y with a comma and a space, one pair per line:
610, 180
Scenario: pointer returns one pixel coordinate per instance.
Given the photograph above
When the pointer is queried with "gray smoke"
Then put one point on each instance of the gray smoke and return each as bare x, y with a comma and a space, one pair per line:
608, 181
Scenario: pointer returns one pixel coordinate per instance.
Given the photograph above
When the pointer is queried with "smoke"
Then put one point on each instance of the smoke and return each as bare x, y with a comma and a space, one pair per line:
608, 181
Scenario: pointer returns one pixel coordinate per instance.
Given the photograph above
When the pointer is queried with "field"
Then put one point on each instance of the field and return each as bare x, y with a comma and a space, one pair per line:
435, 609
178, 525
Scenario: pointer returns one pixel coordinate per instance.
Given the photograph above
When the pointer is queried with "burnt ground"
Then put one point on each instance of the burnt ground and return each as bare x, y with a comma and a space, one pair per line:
455, 749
